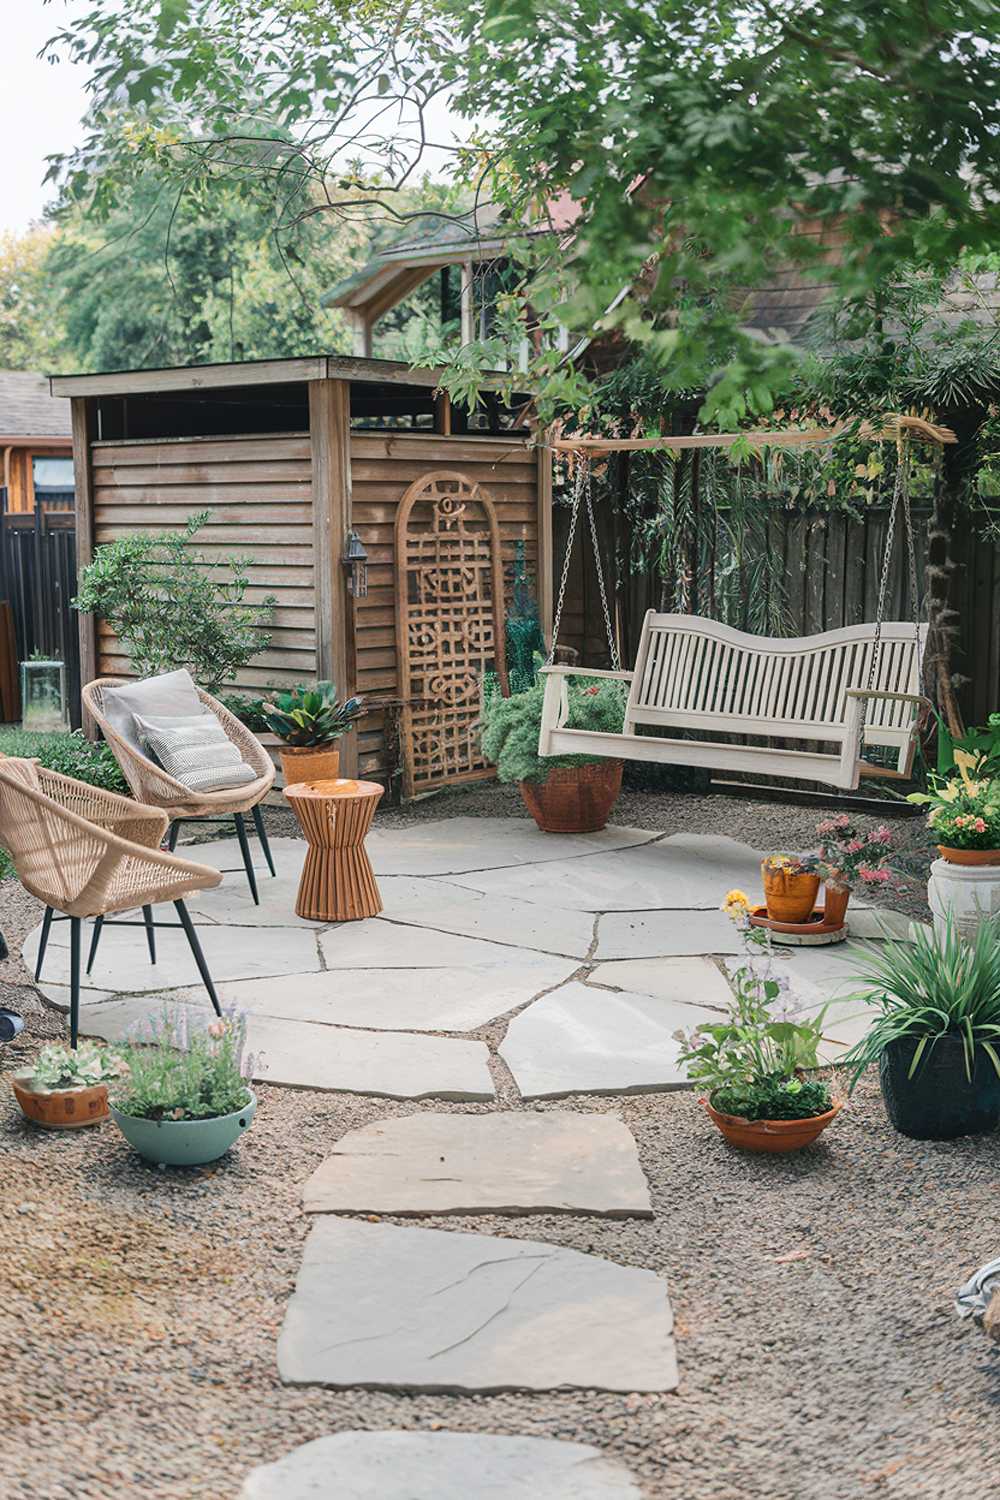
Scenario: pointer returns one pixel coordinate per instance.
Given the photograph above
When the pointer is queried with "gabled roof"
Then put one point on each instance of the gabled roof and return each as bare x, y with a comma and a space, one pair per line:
28, 410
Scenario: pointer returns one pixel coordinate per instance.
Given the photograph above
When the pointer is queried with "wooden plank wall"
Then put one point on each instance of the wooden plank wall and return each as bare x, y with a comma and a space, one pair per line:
259, 492
383, 465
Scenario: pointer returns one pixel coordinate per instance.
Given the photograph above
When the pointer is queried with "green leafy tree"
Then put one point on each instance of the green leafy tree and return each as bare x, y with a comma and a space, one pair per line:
32, 335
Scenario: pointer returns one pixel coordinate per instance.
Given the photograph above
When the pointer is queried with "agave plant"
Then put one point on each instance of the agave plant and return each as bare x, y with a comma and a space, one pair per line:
311, 716
938, 985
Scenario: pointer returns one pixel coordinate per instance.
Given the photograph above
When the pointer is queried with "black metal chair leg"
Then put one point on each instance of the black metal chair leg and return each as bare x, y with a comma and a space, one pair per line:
241, 834
98, 925
258, 823
197, 954
74, 980
147, 916
172, 833
43, 941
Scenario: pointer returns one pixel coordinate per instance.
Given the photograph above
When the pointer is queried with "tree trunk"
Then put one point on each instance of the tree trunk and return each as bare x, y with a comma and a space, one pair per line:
958, 472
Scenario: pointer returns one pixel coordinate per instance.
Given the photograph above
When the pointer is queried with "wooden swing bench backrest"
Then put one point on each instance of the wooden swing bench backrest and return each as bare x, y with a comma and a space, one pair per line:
698, 676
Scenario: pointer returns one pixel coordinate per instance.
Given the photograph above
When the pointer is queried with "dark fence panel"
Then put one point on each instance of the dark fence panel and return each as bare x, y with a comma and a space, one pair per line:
38, 578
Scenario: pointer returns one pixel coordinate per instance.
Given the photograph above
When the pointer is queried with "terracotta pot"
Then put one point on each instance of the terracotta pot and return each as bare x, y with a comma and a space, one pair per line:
789, 898
309, 763
574, 799
835, 899
61, 1109
776, 1136
969, 856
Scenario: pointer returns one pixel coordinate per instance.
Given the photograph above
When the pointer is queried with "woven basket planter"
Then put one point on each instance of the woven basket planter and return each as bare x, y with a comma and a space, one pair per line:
574, 799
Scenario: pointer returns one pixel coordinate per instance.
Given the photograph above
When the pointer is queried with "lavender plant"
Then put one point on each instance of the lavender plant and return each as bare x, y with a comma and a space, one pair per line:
179, 1072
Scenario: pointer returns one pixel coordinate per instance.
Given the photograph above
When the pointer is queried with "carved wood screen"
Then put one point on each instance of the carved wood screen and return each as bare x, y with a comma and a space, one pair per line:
449, 623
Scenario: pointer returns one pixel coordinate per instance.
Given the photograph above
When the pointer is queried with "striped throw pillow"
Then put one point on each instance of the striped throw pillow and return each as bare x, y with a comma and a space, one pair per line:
197, 752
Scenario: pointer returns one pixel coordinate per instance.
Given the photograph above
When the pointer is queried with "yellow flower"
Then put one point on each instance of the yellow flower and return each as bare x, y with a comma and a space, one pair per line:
736, 905
949, 792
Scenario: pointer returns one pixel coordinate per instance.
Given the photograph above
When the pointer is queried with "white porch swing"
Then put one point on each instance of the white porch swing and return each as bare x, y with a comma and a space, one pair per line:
843, 689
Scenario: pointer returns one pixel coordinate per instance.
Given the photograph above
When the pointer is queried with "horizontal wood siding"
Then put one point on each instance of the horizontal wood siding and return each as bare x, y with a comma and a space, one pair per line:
382, 468
259, 493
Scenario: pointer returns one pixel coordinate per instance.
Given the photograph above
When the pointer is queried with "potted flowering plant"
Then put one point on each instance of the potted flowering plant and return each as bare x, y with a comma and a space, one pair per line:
850, 859
184, 1097
65, 1087
964, 811
752, 1065
791, 885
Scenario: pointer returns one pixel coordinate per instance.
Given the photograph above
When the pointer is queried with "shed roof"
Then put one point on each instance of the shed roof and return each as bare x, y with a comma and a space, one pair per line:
27, 409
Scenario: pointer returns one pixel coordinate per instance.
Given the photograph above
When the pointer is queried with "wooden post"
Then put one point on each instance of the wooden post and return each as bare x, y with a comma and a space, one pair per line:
442, 414
330, 440
80, 419
545, 579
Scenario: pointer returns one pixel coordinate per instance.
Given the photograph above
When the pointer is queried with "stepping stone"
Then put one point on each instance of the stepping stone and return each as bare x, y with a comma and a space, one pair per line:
440, 1466
395, 999
684, 981
387, 1307
305, 1055
877, 923
378, 944
582, 1040
460, 844
448, 907
657, 934
496, 1163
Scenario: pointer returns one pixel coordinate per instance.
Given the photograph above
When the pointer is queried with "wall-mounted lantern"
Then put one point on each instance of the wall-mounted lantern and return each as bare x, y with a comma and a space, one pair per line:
355, 561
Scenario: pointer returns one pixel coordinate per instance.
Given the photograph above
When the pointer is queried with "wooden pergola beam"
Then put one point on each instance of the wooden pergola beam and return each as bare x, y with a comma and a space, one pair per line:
918, 427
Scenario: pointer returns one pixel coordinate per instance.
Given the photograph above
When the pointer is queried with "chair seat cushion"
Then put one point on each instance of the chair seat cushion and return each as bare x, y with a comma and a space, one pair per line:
170, 695
196, 751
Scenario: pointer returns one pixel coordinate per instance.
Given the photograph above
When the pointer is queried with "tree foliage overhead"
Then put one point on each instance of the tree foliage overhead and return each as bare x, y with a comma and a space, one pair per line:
696, 137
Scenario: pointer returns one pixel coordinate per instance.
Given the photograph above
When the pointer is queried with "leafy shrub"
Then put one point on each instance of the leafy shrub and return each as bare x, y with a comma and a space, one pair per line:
510, 726
70, 755
171, 607
60, 1067
184, 1074
248, 709
774, 1099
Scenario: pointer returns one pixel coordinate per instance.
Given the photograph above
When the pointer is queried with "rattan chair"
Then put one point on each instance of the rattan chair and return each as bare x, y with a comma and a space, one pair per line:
151, 784
87, 853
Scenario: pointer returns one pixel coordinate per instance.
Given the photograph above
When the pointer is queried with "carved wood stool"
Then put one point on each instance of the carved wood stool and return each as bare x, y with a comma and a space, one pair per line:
338, 884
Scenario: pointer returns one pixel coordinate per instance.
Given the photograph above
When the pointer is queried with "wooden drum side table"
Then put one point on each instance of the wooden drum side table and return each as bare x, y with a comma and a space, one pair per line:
338, 884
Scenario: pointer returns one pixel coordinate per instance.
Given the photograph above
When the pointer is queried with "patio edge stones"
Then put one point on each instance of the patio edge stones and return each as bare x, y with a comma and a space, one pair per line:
440, 1466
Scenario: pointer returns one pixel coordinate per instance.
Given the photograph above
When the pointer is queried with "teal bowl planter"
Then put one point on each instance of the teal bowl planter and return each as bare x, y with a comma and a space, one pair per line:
184, 1143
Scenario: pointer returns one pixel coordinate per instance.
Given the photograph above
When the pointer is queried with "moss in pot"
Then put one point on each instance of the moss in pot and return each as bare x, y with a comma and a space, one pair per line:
936, 1037
184, 1096
563, 793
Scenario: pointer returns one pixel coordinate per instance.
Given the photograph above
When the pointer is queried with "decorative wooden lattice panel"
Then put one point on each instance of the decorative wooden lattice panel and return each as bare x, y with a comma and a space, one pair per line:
449, 620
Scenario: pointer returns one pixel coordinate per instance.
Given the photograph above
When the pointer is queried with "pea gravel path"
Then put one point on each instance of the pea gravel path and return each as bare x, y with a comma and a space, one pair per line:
819, 1353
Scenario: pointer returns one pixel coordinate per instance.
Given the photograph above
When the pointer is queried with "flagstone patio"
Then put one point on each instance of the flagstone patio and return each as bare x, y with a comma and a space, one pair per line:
575, 959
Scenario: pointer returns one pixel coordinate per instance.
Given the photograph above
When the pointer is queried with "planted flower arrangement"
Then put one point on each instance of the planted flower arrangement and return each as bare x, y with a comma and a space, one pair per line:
848, 858
964, 811
65, 1087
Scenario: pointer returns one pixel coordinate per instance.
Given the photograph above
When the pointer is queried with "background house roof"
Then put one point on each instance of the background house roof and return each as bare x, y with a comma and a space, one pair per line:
28, 410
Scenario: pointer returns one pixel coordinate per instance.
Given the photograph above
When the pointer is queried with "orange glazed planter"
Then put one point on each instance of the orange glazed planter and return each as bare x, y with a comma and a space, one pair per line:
969, 856
789, 898
574, 799
776, 1136
61, 1109
835, 899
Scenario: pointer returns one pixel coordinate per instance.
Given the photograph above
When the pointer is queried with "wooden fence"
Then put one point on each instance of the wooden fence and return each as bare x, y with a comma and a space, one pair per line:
38, 579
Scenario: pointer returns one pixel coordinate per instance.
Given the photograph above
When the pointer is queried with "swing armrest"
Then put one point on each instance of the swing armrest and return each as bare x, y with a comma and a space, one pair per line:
564, 671
889, 697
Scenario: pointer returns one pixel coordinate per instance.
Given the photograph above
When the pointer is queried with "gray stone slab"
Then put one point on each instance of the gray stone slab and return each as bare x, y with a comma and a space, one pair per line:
123, 966
334, 1059
440, 1466
583, 1040
664, 934
231, 902
388, 1307
491, 1163
381, 944
876, 923
683, 981
447, 907
396, 999
682, 872
460, 844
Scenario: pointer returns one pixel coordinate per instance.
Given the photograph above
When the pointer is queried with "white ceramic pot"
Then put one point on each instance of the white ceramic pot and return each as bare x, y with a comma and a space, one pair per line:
971, 893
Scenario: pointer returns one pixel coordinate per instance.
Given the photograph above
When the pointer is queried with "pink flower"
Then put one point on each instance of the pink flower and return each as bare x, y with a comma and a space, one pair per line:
217, 1029
842, 821
881, 835
854, 846
872, 875
979, 826
826, 826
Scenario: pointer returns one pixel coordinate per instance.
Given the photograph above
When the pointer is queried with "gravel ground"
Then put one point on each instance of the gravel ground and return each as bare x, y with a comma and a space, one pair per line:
819, 1353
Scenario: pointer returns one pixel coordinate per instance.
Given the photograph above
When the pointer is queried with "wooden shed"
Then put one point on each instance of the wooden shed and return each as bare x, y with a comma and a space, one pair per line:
290, 456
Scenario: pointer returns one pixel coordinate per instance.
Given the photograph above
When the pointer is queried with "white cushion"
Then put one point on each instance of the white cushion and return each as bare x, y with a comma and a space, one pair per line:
171, 695
196, 751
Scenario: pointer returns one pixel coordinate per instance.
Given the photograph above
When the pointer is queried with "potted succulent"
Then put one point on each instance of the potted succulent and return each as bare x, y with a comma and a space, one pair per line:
184, 1098
850, 858
936, 1038
66, 1088
309, 722
791, 885
752, 1064
563, 793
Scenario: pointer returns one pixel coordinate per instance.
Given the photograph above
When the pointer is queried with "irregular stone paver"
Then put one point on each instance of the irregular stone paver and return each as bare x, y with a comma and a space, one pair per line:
389, 1307
336, 1059
877, 922
494, 1163
231, 902
683, 872
684, 981
460, 844
379, 944
397, 999
447, 907
440, 1466
581, 1040
654, 934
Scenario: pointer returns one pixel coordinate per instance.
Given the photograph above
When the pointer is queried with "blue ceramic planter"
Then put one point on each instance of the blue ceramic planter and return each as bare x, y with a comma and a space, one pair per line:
184, 1143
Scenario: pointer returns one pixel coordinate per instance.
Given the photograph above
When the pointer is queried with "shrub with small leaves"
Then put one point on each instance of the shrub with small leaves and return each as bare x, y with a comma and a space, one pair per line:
510, 726
181, 1072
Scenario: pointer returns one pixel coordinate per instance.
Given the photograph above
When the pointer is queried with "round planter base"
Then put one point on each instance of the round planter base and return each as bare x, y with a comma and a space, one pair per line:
61, 1109
574, 799
816, 933
774, 1136
969, 894
184, 1143
971, 857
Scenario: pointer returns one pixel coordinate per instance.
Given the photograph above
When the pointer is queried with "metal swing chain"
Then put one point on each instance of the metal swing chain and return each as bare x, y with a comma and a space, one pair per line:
616, 664
582, 493
567, 556
900, 498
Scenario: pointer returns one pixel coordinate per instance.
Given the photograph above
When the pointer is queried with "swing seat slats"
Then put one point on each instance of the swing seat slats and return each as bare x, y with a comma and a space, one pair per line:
698, 676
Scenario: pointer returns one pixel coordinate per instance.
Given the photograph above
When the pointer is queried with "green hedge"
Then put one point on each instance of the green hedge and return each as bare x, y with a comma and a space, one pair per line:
69, 754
